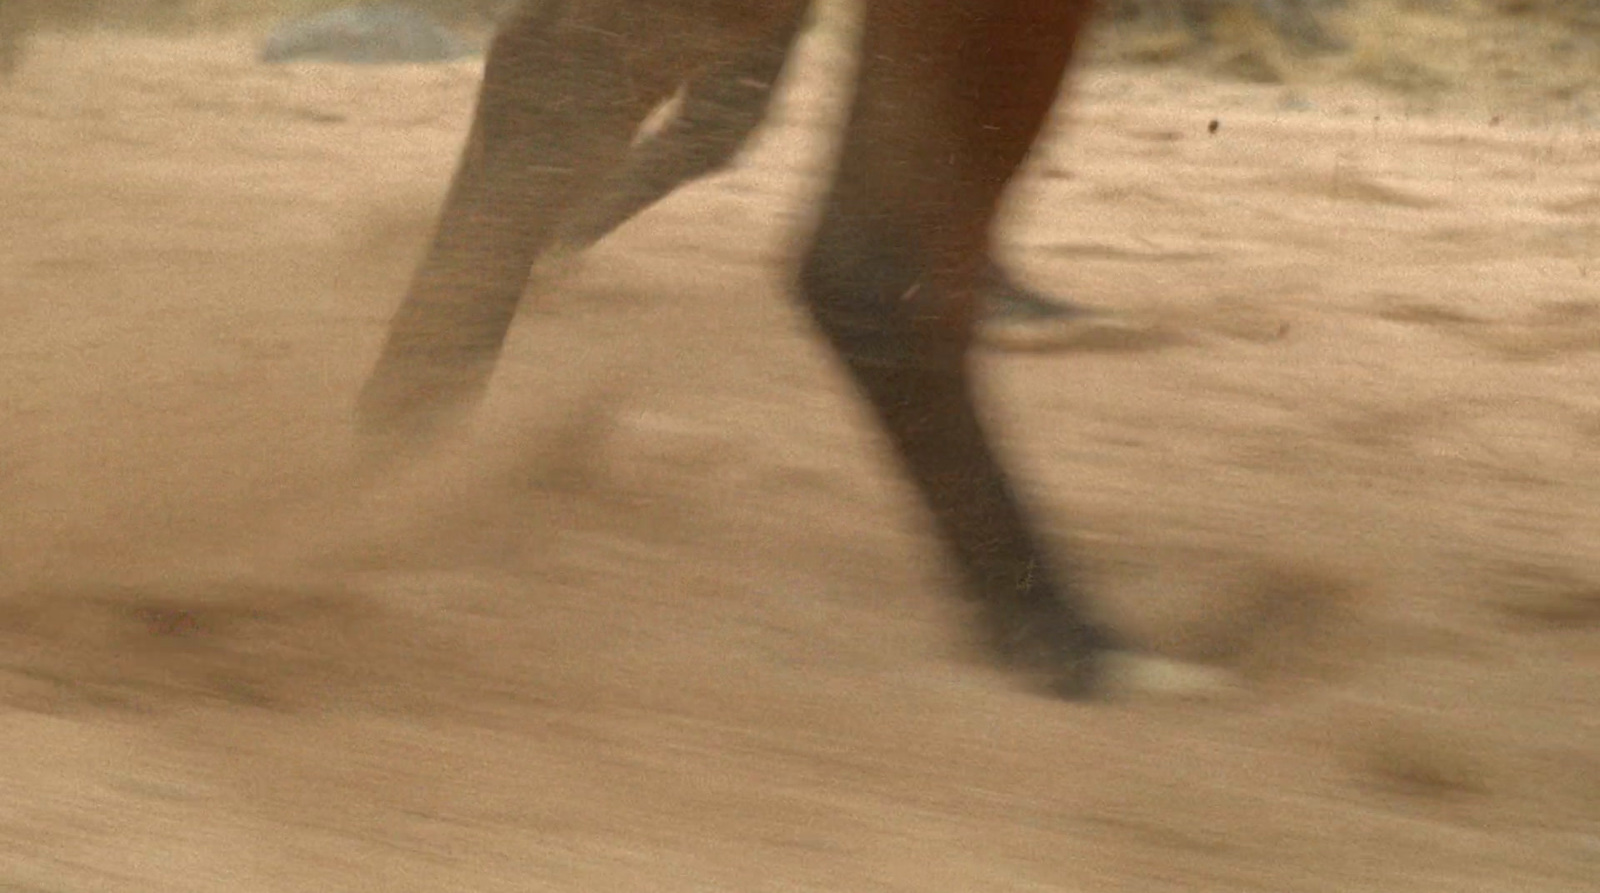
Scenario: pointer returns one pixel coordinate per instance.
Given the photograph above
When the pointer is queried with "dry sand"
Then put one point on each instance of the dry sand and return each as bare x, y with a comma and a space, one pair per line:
666, 620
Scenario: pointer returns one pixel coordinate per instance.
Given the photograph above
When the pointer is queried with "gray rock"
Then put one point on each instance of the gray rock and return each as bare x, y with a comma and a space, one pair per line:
368, 34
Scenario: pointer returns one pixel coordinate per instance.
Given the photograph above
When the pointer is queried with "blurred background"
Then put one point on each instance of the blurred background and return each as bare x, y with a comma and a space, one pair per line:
1413, 45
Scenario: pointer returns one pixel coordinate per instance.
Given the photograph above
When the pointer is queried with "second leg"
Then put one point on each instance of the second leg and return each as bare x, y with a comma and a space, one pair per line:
949, 101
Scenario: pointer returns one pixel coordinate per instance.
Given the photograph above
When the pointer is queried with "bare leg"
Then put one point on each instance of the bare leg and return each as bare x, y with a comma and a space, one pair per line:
720, 112
951, 97
939, 126
560, 99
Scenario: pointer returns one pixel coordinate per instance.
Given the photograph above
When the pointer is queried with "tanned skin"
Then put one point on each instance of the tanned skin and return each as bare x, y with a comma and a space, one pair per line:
949, 99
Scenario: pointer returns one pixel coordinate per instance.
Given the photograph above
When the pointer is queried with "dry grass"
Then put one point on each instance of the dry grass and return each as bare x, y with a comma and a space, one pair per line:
1508, 53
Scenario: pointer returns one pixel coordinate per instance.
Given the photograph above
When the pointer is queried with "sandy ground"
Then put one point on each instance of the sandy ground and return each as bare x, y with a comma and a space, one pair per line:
666, 620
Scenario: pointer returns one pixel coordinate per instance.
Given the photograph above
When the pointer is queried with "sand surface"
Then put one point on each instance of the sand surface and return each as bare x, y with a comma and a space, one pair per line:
665, 620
